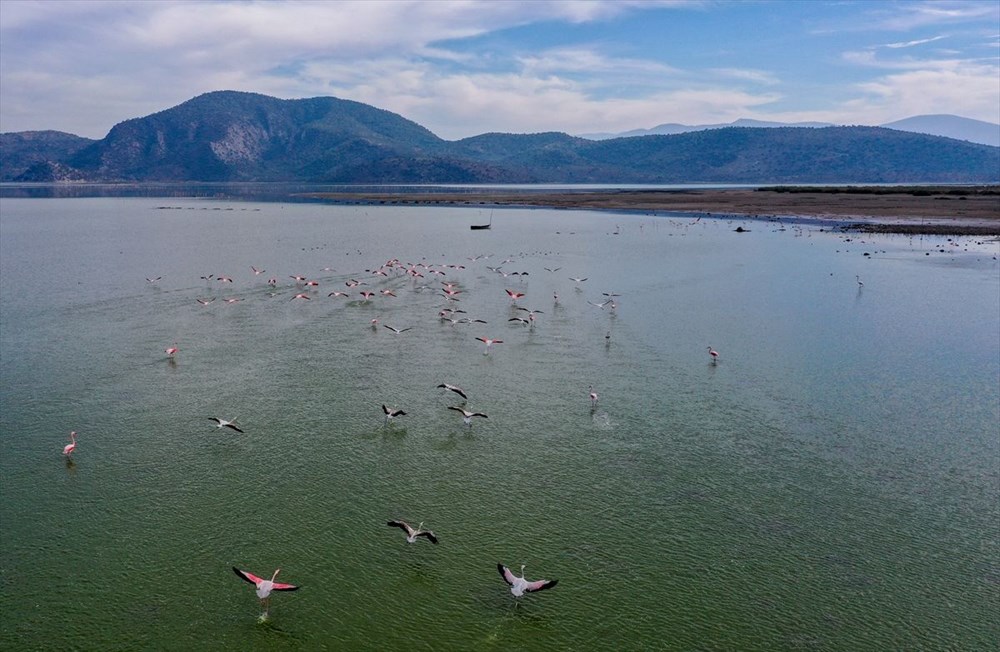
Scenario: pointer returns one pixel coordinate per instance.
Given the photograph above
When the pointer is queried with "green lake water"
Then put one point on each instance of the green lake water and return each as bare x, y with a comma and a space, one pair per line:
833, 483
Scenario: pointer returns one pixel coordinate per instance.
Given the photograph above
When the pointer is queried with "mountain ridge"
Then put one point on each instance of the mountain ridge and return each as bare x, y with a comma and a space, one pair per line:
946, 125
231, 136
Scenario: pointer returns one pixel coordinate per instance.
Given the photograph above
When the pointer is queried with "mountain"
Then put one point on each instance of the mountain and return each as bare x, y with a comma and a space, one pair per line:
20, 151
951, 126
670, 128
234, 136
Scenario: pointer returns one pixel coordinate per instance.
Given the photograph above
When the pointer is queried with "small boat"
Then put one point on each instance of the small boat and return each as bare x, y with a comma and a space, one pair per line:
480, 227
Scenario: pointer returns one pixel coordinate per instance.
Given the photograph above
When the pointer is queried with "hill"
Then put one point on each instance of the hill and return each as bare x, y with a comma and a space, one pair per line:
233, 136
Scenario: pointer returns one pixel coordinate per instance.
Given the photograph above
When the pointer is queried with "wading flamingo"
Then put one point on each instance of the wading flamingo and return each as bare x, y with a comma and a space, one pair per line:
70, 447
715, 354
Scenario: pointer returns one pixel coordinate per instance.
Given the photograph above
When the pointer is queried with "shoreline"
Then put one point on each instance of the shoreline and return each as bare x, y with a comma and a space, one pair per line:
944, 210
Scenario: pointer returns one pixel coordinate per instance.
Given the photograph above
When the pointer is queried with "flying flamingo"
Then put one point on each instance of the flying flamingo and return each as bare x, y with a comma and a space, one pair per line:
489, 342
391, 414
70, 447
715, 354
514, 296
395, 330
467, 416
301, 295
256, 272
519, 586
222, 423
264, 587
338, 293
413, 533
205, 302
171, 350
593, 397
454, 388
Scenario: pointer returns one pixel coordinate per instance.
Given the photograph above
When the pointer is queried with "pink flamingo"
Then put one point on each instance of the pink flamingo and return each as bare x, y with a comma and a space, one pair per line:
489, 342
715, 355
593, 397
301, 295
519, 586
171, 350
69, 448
264, 587
514, 296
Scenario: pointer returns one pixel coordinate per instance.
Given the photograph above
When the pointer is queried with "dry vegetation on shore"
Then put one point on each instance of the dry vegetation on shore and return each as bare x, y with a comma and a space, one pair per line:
919, 209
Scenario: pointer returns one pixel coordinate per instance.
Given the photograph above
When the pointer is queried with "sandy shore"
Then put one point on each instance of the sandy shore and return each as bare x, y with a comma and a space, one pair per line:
880, 210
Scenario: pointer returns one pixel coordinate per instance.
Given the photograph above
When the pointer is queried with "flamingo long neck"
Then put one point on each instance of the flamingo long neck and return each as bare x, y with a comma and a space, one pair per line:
72, 436
275, 574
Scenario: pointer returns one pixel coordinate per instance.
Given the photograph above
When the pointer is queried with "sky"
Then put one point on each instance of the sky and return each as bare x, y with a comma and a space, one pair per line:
467, 67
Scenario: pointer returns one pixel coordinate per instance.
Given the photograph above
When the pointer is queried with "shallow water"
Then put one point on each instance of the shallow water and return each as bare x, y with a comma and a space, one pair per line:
831, 483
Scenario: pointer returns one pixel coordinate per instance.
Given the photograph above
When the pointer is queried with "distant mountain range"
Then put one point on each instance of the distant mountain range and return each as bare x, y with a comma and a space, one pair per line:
949, 126
234, 136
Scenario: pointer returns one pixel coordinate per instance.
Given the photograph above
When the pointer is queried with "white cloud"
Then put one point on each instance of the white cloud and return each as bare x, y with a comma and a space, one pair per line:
910, 44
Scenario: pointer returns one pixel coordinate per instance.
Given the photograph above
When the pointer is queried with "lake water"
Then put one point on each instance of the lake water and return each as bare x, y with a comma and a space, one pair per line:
833, 483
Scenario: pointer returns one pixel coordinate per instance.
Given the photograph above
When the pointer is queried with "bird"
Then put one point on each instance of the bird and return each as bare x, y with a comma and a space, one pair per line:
171, 350
519, 586
593, 397
467, 416
715, 354
454, 388
70, 447
205, 302
223, 279
256, 272
397, 331
858, 279
552, 270
222, 423
298, 278
367, 295
578, 280
264, 587
514, 296
338, 293
413, 533
489, 342
301, 295
153, 280
387, 293
524, 322
391, 414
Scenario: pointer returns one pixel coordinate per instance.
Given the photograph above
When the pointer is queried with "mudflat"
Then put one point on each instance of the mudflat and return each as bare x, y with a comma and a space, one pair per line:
920, 209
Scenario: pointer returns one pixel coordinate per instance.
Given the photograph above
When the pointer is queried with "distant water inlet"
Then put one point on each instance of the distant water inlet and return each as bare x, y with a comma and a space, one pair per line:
830, 481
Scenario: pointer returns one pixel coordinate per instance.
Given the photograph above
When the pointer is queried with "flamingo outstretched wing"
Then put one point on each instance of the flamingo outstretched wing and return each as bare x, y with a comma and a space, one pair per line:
403, 526
248, 576
506, 574
540, 585
278, 586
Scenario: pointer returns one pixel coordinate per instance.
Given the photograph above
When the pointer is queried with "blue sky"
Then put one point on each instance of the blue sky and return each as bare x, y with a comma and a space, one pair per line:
467, 67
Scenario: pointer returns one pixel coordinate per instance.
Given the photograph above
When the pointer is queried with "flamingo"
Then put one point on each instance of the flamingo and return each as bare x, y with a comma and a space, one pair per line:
338, 293
70, 447
413, 533
858, 279
397, 331
386, 293
524, 322
489, 342
223, 279
205, 302
519, 586
367, 296
301, 295
256, 272
222, 423
514, 296
391, 414
264, 587
454, 388
298, 278
593, 397
153, 280
715, 354
467, 416
578, 280
171, 350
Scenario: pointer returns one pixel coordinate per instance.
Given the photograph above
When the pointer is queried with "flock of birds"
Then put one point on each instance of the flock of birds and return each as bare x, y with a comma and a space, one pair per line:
451, 292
